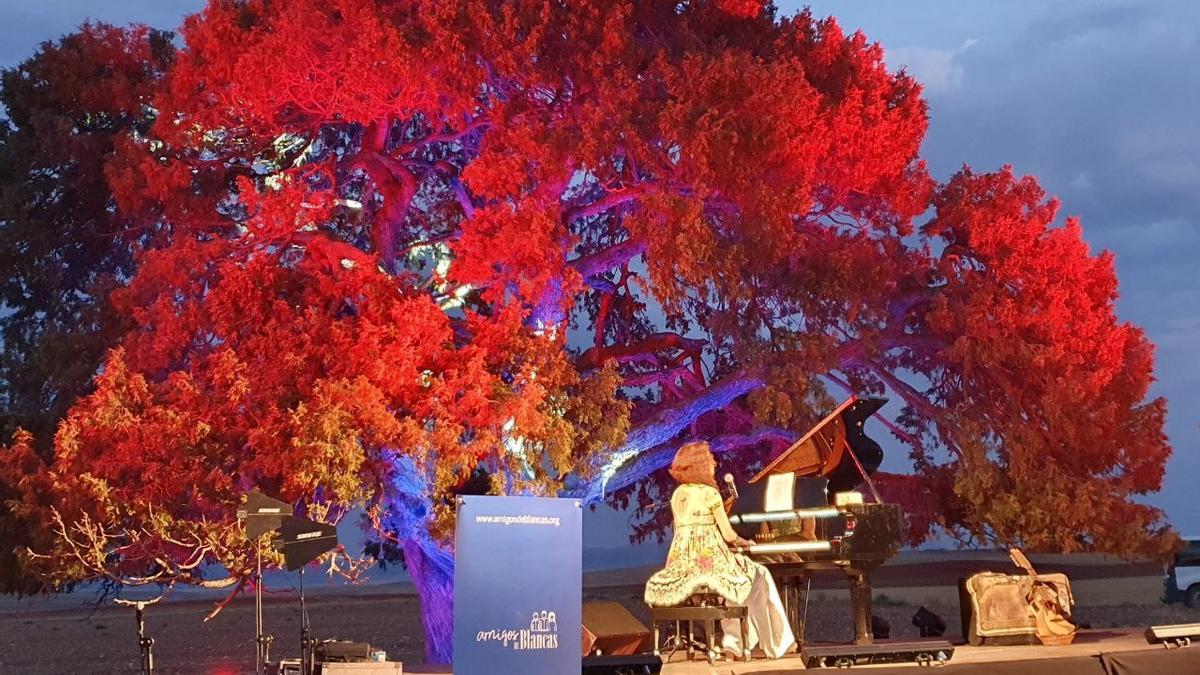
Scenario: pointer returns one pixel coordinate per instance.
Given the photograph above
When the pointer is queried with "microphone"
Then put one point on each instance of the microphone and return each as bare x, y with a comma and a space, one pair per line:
731, 485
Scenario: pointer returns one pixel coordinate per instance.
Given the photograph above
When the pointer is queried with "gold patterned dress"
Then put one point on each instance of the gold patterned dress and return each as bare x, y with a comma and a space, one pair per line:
699, 556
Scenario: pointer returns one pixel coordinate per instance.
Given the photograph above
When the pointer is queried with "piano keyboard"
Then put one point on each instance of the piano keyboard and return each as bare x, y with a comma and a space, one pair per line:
775, 516
785, 547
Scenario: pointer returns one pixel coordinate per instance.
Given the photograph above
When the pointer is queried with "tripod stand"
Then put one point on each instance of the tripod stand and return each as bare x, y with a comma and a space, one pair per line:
262, 652
262, 515
307, 641
302, 541
145, 642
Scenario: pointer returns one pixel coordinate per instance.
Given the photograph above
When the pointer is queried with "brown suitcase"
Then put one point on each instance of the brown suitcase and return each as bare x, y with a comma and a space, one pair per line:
996, 607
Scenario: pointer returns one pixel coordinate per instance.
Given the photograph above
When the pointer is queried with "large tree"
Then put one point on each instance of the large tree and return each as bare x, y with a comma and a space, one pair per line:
63, 245
416, 244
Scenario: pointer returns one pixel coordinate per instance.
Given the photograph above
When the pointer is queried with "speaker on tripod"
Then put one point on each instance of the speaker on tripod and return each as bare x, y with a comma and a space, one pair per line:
261, 514
303, 541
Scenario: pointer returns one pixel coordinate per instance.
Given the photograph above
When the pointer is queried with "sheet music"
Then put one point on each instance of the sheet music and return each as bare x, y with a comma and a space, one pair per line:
780, 492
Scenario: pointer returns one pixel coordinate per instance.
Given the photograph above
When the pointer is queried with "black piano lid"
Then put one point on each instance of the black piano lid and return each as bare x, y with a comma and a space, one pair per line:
846, 476
853, 411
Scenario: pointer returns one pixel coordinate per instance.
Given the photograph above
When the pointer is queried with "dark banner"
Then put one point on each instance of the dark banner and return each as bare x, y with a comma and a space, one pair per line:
518, 577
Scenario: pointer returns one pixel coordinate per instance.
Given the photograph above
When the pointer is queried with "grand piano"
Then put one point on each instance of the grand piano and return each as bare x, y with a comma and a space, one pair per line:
803, 512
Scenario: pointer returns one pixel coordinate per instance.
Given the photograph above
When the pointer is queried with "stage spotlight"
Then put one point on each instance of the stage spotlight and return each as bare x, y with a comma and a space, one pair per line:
1180, 634
930, 624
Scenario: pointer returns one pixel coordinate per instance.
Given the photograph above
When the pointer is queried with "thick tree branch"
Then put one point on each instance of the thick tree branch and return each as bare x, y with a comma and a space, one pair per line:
919, 402
622, 468
606, 300
657, 377
398, 186
595, 357
900, 308
595, 264
603, 203
647, 463
479, 124
377, 132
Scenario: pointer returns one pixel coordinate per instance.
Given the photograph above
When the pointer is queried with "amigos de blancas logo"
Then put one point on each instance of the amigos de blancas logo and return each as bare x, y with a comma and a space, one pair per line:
541, 634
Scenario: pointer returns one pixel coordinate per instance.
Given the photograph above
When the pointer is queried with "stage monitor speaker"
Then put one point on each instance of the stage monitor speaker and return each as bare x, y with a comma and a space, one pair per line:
925, 653
609, 628
641, 664
369, 668
1180, 634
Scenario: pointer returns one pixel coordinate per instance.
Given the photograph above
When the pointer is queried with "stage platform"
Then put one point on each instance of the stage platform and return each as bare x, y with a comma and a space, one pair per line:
1082, 657
1125, 652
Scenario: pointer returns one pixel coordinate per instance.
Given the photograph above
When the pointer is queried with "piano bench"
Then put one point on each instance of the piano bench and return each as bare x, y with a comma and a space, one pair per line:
711, 615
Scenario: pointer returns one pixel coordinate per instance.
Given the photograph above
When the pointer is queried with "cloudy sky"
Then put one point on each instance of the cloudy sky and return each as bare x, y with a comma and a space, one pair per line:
1098, 98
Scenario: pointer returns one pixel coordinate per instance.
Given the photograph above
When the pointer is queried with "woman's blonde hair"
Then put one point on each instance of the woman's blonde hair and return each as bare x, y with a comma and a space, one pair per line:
691, 464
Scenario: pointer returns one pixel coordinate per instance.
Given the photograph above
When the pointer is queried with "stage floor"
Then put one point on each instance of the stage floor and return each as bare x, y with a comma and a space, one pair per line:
1087, 643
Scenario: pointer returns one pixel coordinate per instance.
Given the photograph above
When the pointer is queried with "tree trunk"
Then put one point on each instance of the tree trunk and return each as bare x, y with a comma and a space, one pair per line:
432, 572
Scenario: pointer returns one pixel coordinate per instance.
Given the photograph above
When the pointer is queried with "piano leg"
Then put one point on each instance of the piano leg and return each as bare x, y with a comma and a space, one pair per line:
790, 587
793, 605
860, 604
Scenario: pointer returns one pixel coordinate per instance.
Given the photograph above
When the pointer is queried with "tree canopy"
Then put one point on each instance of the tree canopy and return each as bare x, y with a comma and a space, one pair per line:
383, 249
64, 246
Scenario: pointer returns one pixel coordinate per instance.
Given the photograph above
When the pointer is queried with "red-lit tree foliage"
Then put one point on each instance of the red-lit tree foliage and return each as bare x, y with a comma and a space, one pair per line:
420, 242
67, 108
63, 246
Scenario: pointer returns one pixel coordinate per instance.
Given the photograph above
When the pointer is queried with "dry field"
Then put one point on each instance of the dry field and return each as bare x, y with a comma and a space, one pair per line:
62, 637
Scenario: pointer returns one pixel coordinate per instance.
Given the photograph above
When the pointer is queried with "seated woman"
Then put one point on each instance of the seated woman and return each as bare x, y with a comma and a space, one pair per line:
700, 558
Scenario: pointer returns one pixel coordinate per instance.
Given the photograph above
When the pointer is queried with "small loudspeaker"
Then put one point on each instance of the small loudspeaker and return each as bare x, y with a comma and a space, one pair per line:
1180, 634
609, 629
930, 624
343, 651
881, 629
